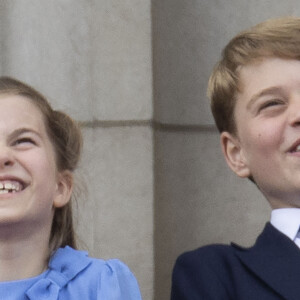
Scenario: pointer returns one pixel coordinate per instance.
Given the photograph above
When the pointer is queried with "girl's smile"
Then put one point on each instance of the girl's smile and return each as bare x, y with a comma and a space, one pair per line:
11, 185
29, 180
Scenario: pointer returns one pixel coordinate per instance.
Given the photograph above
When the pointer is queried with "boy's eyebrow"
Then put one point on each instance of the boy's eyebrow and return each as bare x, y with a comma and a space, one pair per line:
267, 91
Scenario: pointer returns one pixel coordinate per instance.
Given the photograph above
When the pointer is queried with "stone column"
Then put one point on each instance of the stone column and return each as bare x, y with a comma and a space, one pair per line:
92, 59
197, 198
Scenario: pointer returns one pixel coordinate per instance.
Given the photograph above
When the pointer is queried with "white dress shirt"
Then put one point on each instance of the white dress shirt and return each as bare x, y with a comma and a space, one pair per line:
287, 221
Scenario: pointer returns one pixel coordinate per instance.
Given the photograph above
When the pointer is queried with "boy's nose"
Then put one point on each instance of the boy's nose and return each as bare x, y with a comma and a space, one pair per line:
294, 114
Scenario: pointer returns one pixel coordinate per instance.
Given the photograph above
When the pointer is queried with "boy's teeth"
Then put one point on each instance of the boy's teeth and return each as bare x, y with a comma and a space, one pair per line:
297, 148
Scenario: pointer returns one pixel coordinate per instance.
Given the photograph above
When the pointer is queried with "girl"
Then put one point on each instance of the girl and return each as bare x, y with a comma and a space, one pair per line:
39, 150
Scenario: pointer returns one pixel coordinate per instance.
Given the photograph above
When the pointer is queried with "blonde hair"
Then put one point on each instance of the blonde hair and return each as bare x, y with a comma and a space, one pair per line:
272, 38
66, 138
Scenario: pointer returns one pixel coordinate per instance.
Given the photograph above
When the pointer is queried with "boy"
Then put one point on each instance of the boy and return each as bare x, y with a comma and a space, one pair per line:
255, 100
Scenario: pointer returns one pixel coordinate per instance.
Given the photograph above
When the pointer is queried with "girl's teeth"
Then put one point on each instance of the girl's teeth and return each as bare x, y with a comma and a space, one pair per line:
10, 186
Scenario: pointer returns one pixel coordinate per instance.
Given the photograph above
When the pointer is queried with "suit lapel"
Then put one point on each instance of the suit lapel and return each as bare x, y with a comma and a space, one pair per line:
276, 260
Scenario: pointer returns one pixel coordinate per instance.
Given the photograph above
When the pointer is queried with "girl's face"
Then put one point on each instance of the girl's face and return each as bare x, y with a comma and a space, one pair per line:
30, 185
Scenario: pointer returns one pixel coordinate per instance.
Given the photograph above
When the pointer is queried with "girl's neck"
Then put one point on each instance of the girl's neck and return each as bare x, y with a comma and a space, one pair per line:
22, 257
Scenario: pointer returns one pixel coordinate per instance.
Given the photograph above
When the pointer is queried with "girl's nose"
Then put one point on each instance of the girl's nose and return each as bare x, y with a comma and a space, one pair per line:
6, 158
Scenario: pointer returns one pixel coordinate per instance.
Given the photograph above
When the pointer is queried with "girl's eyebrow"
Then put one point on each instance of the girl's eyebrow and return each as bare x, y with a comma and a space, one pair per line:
264, 92
23, 130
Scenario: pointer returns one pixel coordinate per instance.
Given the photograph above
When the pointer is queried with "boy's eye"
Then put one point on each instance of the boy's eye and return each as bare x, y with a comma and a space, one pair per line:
270, 103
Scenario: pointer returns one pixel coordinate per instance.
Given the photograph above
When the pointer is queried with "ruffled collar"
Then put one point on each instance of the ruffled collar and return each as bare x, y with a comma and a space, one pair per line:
64, 265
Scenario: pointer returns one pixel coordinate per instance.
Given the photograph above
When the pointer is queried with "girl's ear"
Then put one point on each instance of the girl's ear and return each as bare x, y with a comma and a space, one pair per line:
234, 155
64, 188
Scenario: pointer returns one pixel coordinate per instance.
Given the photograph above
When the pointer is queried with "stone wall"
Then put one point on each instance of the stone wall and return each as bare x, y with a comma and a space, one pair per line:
198, 200
134, 73
93, 60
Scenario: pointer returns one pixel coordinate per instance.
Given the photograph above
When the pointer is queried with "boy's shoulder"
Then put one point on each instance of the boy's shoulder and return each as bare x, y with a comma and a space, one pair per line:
212, 255
270, 245
232, 271
208, 270
215, 255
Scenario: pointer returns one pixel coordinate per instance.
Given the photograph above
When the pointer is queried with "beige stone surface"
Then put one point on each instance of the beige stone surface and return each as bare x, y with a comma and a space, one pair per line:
122, 59
198, 201
93, 58
47, 44
116, 219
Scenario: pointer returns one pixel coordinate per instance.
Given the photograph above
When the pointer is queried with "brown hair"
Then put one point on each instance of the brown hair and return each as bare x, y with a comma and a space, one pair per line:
272, 38
66, 138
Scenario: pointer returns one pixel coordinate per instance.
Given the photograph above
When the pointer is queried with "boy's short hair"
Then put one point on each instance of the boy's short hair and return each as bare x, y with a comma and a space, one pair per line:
272, 38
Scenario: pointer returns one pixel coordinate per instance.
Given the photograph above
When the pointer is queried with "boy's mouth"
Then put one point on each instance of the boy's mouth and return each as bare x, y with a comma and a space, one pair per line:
295, 147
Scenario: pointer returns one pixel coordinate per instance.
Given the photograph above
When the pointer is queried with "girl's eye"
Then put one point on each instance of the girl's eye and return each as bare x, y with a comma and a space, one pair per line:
24, 140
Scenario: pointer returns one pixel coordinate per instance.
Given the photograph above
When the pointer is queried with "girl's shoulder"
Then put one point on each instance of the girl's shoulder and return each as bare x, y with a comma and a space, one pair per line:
74, 275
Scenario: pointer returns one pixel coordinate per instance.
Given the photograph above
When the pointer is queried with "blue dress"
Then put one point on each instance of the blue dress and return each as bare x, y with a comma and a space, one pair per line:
73, 275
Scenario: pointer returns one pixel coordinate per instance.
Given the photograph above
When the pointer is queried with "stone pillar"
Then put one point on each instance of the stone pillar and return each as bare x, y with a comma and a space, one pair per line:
92, 59
197, 198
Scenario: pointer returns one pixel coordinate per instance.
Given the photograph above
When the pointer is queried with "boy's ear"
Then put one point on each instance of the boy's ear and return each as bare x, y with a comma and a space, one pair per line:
234, 155
64, 189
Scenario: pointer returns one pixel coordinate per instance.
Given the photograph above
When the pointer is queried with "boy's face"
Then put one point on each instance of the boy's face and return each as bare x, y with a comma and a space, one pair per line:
267, 144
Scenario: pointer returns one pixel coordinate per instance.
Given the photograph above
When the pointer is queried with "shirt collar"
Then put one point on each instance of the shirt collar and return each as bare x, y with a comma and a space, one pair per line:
287, 221
65, 264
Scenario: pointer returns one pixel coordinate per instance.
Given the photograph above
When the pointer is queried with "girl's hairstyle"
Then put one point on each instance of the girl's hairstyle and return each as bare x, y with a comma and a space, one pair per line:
66, 138
272, 38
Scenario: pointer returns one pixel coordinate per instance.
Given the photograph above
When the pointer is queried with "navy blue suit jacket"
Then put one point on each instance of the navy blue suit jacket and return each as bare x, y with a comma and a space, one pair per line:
268, 270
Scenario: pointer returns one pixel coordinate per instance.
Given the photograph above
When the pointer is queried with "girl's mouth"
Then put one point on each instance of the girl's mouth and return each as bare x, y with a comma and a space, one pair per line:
11, 186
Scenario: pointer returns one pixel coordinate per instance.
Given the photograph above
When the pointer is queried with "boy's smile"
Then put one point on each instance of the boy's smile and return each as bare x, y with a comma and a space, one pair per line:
267, 116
